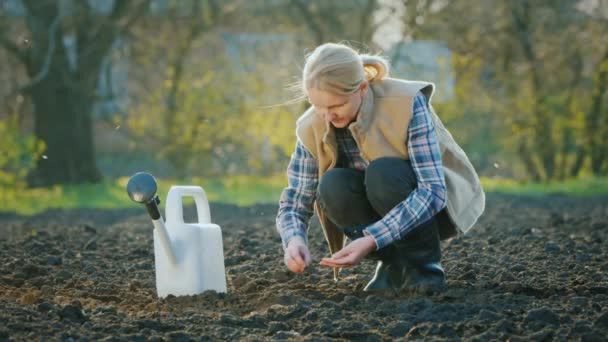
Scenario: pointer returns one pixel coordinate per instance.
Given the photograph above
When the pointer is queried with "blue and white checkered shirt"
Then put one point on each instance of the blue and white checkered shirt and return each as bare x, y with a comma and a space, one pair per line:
296, 203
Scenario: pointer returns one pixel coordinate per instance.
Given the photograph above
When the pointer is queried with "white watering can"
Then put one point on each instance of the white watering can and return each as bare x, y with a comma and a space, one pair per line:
189, 257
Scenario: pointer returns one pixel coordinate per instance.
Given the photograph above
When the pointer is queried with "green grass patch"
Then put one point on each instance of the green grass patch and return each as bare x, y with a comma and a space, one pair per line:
576, 187
112, 194
241, 190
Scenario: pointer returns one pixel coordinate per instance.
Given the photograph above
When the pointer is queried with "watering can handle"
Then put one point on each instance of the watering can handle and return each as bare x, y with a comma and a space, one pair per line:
174, 205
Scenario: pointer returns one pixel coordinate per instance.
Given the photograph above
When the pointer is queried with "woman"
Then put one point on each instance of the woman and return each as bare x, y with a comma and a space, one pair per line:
378, 167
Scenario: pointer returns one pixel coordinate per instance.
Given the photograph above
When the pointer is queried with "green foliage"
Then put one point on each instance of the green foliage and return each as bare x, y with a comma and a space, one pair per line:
529, 83
218, 117
207, 79
18, 154
240, 190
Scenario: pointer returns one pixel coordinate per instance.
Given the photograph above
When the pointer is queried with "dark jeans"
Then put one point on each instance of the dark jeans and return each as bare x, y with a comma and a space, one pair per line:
354, 199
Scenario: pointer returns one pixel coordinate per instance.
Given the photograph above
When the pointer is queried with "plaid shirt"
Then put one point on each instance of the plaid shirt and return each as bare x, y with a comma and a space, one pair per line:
296, 203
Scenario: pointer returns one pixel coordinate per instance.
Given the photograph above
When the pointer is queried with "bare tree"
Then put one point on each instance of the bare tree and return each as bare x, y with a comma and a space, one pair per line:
63, 77
597, 117
336, 20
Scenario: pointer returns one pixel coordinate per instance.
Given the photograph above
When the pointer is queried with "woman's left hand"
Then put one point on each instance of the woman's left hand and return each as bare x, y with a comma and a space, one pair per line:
351, 254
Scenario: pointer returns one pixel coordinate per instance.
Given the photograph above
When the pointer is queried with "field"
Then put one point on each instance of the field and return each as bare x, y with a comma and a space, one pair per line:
534, 268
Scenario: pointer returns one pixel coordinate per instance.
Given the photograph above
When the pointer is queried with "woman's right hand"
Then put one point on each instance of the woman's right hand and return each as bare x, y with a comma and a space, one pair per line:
297, 256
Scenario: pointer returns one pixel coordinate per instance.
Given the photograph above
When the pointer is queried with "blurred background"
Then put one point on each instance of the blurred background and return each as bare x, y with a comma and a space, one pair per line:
197, 91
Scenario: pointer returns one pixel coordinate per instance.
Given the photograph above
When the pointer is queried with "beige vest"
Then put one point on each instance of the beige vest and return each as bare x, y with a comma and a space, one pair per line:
380, 130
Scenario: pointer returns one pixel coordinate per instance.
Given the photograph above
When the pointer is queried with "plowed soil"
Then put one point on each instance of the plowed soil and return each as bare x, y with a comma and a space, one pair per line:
531, 269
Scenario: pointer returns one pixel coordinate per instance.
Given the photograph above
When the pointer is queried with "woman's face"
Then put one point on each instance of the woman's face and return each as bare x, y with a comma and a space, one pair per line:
339, 110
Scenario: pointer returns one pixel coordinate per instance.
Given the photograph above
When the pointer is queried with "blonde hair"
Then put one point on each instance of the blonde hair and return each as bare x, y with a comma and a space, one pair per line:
340, 69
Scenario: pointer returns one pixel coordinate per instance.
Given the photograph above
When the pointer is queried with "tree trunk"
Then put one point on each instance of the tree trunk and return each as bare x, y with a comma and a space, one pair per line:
63, 121
596, 124
62, 92
544, 142
528, 160
62, 83
542, 121
578, 163
570, 146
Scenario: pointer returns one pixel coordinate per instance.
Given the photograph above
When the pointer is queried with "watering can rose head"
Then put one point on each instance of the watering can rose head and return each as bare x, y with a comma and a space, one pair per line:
141, 187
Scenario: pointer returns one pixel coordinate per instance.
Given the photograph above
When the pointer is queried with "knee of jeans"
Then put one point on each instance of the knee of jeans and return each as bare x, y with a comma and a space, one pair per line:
388, 180
389, 174
332, 189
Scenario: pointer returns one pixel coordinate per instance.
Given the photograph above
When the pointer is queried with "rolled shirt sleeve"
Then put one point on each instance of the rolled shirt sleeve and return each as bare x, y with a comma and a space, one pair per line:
297, 199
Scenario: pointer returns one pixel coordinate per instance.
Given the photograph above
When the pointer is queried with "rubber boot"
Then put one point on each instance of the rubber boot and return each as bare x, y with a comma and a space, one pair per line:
387, 276
420, 255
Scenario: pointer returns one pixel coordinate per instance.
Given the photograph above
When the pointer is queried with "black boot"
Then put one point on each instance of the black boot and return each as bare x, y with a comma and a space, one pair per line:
429, 278
389, 270
419, 254
387, 276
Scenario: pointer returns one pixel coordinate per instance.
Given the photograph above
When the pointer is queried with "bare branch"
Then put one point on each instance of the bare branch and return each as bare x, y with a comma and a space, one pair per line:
365, 20
110, 26
380, 21
312, 24
48, 58
136, 14
11, 46
94, 44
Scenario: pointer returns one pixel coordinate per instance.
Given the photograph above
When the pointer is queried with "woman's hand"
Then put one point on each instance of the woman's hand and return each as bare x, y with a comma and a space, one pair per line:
351, 254
297, 256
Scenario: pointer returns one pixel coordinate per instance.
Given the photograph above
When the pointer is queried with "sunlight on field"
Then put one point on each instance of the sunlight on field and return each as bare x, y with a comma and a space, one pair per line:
242, 190
583, 186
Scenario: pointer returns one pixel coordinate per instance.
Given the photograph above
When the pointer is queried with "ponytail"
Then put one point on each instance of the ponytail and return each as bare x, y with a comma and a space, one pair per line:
375, 67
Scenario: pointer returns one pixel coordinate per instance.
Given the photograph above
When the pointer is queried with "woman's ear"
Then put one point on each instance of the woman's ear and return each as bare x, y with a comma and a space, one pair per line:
363, 87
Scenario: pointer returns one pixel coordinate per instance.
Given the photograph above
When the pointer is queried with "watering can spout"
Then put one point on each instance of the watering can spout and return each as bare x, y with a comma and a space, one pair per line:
142, 188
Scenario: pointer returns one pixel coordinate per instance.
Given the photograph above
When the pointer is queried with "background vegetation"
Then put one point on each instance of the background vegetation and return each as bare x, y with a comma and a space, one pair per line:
196, 91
